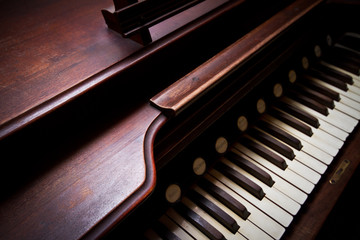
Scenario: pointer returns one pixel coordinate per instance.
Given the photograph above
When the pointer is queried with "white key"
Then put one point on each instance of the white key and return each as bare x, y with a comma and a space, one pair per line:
328, 138
307, 147
247, 228
320, 139
227, 234
351, 93
349, 102
280, 184
271, 209
309, 161
304, 158
337, 119
355, 77
178, 231
347, 110
287, 174
335, 131
259, 218
296, 166
184, 224
272, 194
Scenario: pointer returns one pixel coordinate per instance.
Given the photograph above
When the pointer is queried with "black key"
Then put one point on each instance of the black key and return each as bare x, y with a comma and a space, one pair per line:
241, 180
315, 95
199, 222
224, 198
321, 89
272, 143
332, 72
163, 232
351, 42
346, 54
291, 121
300, 114
342, 62
309, 102
250, 168
328, 79
213, 210
280, 134
265, 153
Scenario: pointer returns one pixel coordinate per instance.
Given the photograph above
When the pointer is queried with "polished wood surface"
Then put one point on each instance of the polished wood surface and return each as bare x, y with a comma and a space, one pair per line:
47, 48
193, 85
77, 130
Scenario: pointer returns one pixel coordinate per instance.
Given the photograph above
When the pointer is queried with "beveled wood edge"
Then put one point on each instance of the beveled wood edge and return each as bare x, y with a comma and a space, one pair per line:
179, 95
41, 110
128, 205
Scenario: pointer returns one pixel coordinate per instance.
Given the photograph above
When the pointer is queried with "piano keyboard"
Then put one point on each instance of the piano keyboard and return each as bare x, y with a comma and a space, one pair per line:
259, 182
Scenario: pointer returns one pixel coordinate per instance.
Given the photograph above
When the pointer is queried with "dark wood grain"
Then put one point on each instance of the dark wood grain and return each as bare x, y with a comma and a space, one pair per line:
48, 47
183, 92
70, 199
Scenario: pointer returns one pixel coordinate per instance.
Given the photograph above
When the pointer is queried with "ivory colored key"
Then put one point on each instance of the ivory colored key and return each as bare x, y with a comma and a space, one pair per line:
279, 183
309, 102
345, 100
185, 224
286, 174
258, 217
270, 208
241, 180
250, 168
324, 144
352, 93
226, 234
336, 74
272, 143
355, 78
265, 153
296, 112
326, 135
328, 79
321, 89
335, 117
280, 134
316, 96
307, 147
324, 126
247, 228
272, 194
304, 158
300, 168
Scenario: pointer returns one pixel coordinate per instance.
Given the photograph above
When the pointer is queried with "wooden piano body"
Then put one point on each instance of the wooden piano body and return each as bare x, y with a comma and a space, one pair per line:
79, 136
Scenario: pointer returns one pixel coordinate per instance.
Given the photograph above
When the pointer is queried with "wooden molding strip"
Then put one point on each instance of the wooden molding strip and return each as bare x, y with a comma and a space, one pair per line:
179, 95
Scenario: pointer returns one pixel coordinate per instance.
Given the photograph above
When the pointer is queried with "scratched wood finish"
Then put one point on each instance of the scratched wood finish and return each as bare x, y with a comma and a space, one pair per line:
183, 92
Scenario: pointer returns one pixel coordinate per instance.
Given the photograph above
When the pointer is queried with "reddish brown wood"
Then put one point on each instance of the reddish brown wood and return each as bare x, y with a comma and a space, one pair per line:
180, 94
84, 188
50, 47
